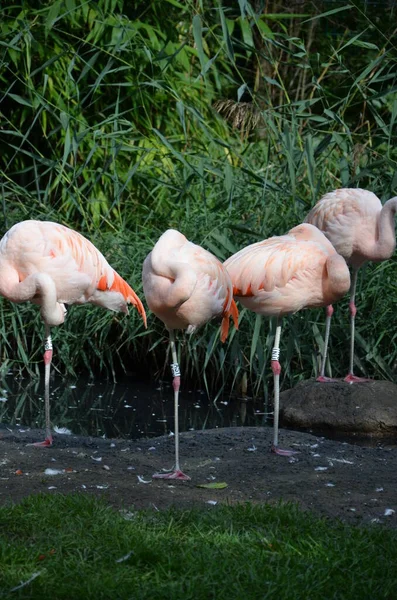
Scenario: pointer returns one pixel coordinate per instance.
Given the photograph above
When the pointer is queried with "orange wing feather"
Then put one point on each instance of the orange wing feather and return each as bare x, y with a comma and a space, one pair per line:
231, 311
81, 248
121, 286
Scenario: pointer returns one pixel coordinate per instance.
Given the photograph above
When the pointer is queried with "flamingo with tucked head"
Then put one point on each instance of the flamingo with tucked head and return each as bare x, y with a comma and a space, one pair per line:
185, 286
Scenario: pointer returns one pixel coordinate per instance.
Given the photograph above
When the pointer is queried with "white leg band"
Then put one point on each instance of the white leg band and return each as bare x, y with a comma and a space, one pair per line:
275, 354
176, 372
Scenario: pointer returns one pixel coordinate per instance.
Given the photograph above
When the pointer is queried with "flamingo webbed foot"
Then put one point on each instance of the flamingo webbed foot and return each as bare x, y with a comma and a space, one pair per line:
324, 379
45, 444
175, 474
282, 452
350, 378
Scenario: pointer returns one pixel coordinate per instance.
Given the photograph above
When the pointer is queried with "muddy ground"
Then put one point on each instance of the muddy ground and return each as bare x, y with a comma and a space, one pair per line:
357, 484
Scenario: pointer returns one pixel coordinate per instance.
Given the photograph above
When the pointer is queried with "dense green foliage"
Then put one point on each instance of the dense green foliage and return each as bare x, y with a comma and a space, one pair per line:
76, 547
226, 121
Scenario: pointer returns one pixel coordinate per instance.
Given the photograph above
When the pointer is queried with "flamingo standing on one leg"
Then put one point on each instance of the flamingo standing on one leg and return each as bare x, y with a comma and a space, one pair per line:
361, 230
51, 265
282, 275
185, 286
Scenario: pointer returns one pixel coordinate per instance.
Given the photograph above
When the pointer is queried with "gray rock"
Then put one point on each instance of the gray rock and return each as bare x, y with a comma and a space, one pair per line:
368, 408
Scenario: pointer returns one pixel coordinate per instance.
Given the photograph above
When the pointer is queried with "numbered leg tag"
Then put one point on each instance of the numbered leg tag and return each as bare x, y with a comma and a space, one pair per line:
275, 354
48, 344
176, 372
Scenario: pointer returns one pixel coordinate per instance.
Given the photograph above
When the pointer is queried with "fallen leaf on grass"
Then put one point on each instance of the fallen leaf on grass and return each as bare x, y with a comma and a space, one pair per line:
213, 486
43, 556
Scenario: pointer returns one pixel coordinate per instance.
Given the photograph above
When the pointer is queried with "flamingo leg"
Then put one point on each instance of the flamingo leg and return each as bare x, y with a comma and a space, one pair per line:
329, 311
176, 472
350, 377
276, 368
47, 369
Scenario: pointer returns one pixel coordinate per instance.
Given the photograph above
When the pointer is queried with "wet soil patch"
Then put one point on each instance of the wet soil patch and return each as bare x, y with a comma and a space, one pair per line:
332, 478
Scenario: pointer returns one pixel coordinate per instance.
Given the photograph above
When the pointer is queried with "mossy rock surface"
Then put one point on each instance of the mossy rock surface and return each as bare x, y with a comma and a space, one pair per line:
367, 408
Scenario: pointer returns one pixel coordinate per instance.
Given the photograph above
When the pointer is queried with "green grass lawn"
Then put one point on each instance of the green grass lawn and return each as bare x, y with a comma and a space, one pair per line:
78, 547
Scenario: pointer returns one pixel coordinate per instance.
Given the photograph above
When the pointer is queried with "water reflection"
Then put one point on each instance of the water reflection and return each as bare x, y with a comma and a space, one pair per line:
135, 410
120, 410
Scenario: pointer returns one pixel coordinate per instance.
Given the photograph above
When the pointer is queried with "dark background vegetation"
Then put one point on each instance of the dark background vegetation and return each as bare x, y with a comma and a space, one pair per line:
226, 120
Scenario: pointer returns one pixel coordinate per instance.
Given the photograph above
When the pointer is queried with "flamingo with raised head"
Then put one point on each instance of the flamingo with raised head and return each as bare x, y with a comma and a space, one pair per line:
361, 230
51, 265
282, 275
185, 286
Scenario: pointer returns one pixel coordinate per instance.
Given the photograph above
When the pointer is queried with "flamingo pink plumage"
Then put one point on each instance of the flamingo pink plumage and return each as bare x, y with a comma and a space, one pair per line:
185, 286
51, 265
361, 230
282, 275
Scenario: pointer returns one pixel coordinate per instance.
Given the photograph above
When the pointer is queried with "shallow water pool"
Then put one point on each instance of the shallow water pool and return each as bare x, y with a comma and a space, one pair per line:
131, 409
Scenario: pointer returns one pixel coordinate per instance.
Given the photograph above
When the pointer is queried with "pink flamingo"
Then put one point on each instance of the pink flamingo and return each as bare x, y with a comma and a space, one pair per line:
361, 230
51, 265
282, 275
185, 286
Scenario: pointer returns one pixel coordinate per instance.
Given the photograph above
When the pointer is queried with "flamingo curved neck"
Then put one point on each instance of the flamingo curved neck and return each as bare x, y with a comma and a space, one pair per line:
337, 283
182, 276
386, 235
